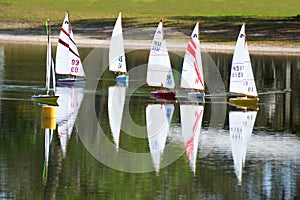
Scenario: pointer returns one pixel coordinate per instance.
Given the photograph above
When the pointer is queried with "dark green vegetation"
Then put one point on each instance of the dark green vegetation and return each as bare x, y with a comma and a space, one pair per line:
220, 19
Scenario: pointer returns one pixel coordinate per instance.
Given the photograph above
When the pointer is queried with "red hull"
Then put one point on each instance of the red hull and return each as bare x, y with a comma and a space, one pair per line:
163, 95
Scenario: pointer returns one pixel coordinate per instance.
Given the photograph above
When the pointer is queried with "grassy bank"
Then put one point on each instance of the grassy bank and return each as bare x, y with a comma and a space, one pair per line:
37, 11
266, 19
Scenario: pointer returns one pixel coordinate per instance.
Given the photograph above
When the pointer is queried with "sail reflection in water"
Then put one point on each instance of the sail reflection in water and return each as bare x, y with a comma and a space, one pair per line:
240, 128
116, 100
69, 105
49, 124
158, 119
191, 120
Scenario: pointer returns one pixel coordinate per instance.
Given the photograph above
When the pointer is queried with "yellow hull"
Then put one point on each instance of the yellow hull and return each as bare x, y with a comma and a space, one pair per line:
46, 99
245, 102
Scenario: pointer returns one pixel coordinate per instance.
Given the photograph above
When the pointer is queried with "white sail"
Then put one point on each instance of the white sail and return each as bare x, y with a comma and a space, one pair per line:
117, 61
76, 68
192, 70
67, 111
158, 118
62, 51
191, 121
116, 100
240, 129
241, 77
49, 63
159, 72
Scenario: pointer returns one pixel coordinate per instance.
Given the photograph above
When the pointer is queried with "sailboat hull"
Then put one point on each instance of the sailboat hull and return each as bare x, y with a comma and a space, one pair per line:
197, 97
122, 80
46, 99
79, 82
163, 95
245, 102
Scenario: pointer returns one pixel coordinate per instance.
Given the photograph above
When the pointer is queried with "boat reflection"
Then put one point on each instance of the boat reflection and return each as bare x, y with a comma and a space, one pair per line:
241, 125
191, 121
116, 100
49, 124
158, 119
69, 105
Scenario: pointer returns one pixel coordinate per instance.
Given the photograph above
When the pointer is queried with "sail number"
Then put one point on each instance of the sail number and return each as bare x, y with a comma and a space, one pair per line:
156, 46
236, 129
248, 86
169, 79
120, 59
237, 71
74, 64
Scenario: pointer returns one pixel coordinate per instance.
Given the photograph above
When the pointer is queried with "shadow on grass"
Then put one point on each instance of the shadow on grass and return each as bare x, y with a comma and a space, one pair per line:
212, 28
226, 28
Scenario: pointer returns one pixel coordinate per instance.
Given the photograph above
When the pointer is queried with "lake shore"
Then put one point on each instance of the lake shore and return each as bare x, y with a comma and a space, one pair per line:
174, 44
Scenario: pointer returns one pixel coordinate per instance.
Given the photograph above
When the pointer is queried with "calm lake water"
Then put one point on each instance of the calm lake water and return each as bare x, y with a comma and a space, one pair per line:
86, 157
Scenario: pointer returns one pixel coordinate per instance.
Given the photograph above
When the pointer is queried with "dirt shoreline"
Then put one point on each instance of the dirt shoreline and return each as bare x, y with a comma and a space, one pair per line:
94, 42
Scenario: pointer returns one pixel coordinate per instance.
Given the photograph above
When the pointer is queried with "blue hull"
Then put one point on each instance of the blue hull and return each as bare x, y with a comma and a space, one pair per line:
122, 80
78, 82
197, 97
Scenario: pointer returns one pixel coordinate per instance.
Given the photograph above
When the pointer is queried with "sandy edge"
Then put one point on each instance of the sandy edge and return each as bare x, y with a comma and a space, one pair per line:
87, 41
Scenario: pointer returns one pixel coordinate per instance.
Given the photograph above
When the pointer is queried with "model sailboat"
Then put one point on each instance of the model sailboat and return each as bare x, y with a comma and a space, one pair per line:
158, 119
192, 70
48, 98
240, 128
67, 111
68, 62
191, 121
116, 101
159, 72
117, 62
242, 81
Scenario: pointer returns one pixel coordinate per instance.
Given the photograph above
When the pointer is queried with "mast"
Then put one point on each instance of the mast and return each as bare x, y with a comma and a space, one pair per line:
48, 58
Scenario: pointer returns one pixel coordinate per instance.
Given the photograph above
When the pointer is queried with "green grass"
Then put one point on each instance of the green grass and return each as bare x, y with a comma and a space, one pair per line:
270, 20
37, 11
